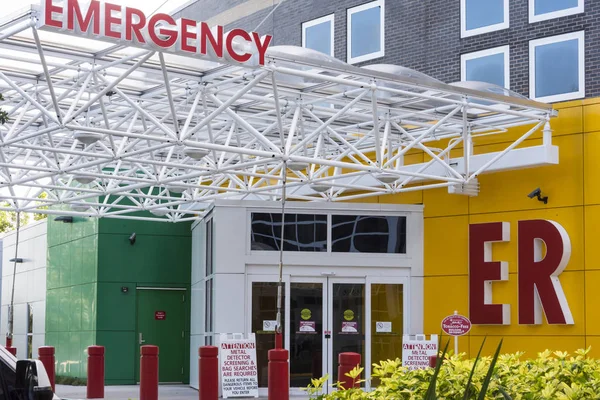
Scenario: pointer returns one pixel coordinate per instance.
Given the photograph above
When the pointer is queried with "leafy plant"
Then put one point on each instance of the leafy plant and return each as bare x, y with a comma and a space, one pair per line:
550, 376
3, 114
70, 380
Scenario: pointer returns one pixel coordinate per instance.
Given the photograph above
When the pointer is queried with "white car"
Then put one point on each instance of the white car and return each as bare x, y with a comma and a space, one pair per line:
23, 379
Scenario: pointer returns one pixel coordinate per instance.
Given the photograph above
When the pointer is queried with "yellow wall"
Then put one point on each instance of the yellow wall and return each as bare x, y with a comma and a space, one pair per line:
573, 188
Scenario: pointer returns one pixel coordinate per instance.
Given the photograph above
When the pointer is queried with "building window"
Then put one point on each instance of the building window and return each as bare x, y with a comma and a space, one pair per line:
208, 312
541, 10
209, 247
368, 234
491, 66
366, 32
477, 16
318, 34
303, 232
29, 331
557, 68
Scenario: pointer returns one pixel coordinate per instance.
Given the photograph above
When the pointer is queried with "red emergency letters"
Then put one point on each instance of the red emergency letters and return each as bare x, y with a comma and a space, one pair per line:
544, 249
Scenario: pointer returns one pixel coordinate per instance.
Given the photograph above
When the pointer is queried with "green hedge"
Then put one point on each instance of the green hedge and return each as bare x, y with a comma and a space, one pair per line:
551, 376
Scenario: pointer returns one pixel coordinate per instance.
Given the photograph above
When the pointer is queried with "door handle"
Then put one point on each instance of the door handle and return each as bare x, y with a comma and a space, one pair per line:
142, 341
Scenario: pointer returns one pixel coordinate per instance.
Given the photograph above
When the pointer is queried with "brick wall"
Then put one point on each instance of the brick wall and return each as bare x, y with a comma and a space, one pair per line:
425, 34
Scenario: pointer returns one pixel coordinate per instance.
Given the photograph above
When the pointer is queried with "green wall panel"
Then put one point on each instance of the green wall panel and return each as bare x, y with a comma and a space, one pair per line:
152, 259
71, 292
118, 357
116, 310
89, 254
51, 313
117, 226
88, 307
75, 309
52, 272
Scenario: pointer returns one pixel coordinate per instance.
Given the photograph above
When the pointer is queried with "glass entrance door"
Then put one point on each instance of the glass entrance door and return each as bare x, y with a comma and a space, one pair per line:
325, 316
307, 331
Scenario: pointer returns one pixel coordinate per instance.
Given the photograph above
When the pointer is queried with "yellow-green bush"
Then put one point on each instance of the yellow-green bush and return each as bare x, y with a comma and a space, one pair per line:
551, 376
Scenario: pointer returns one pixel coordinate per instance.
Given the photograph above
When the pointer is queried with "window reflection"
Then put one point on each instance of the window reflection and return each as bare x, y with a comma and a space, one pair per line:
368, 234
303, 232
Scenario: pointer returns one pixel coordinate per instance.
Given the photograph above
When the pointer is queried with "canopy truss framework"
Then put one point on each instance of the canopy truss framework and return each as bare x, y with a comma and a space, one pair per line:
113, 131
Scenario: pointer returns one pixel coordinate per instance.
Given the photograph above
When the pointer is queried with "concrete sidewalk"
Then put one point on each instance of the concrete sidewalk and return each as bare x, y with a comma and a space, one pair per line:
132, 392
170, 392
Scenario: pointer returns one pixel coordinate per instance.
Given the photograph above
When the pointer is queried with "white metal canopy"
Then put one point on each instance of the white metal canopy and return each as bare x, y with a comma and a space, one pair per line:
108, 131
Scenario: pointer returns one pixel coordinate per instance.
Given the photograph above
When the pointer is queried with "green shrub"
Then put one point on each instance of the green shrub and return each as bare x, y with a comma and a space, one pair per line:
551, 376
70, 380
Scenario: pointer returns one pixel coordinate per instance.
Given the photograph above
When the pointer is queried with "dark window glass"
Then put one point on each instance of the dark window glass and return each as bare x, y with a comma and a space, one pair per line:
209, 247
303, 232
264, 308
29, 331
368, 234
208, 318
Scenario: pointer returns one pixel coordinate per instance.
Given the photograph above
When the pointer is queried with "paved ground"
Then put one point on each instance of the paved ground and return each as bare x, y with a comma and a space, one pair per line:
170, 392
132, 392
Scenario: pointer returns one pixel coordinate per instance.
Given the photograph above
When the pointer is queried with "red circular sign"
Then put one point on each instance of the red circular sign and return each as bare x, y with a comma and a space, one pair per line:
456, 325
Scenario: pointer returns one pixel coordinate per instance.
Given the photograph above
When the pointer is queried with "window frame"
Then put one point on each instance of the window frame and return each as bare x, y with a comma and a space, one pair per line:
318, 21
533, 44
580, 8
484, 53
464, 32
357, 9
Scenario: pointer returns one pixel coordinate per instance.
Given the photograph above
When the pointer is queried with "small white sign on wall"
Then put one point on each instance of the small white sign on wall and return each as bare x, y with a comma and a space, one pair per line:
239, 373
269, 326
383, 327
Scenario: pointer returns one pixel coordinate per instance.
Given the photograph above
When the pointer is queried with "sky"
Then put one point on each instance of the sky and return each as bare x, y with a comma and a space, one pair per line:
147, 6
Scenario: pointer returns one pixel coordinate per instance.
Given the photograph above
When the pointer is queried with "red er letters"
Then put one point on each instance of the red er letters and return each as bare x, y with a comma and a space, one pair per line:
539, 288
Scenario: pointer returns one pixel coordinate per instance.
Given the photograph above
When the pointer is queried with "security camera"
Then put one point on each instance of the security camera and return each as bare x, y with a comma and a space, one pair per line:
538, 194
535, 193
132, 238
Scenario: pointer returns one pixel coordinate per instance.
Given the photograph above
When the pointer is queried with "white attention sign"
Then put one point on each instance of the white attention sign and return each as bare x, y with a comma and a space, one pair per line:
239, 374
416, 351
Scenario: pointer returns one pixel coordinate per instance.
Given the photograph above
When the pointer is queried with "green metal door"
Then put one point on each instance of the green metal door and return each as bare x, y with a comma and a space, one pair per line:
161, 322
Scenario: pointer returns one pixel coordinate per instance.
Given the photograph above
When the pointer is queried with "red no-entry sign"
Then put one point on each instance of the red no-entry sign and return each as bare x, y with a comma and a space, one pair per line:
456, 325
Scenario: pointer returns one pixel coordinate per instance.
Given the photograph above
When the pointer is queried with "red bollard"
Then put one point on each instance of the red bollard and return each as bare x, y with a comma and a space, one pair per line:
279, 378
208, 370
278, 341
9, 348
432, 361
46, 356
95, 372
347, 362
149, 373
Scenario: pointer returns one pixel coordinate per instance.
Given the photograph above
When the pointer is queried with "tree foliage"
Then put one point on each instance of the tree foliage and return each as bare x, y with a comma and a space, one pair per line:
8, 220
3, 114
